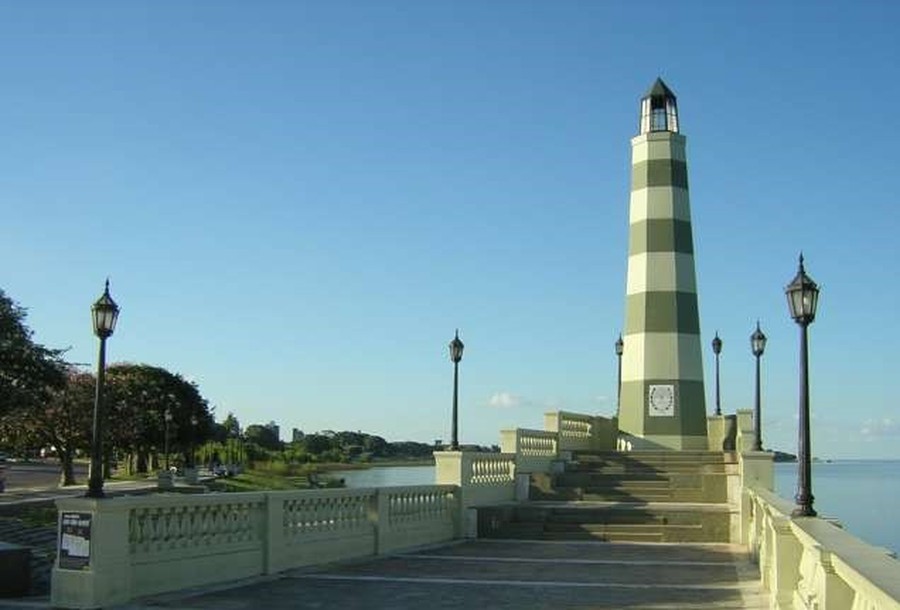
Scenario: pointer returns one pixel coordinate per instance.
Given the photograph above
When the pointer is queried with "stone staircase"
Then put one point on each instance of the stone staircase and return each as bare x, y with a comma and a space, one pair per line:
649, 496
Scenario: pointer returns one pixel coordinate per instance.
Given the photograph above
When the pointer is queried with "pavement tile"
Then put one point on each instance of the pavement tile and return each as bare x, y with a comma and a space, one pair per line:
492, 575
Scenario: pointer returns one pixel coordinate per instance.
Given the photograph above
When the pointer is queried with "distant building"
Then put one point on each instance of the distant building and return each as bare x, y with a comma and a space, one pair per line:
276, 430
297, 435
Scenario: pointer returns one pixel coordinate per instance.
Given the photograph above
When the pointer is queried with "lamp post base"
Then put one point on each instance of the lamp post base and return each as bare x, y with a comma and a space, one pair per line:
804, 502
804, 511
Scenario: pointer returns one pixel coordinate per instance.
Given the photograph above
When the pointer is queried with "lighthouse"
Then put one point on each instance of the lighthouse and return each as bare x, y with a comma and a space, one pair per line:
663, 403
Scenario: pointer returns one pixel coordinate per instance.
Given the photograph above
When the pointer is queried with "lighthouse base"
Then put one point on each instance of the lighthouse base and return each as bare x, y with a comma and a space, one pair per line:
662, 442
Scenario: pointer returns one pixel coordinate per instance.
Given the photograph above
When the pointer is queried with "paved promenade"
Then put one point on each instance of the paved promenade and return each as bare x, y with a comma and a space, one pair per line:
495, 574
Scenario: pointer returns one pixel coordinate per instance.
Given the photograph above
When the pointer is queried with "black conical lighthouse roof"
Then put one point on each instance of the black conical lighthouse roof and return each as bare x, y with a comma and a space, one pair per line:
659, 89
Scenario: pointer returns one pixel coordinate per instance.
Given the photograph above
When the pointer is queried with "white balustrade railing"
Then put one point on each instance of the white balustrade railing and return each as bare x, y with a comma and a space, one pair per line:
135, 546
411, 505
482, 478
169, 526
413, 516
535, 450
324, 513
491, 469
537, 443
576, 431
810, 563
579, 432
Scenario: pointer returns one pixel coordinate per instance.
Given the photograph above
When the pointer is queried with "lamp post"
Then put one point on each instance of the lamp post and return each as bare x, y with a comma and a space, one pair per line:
758, 346
194, 421
803, 297
456, 352
167, 418
717, 349
104, 313
620, 348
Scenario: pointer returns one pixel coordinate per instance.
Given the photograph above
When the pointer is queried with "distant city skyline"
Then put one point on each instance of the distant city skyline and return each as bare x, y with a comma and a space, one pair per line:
298, 203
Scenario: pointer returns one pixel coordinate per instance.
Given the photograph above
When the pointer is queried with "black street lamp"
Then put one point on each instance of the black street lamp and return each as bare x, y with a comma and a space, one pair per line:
803, 297
717, 349
758, 346
620, 348
104, 313
456, 352
167, 417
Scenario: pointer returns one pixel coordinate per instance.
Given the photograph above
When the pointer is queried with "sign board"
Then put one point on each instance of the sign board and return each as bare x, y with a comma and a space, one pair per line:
661, 400
74, 541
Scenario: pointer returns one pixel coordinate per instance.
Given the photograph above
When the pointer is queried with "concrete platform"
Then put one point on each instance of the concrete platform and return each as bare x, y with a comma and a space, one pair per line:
500, 574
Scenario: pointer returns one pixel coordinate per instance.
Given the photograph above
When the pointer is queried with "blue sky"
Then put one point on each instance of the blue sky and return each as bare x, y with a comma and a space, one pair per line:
298, 202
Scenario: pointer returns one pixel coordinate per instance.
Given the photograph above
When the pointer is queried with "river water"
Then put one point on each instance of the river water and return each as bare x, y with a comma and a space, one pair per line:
864, 495
386, 476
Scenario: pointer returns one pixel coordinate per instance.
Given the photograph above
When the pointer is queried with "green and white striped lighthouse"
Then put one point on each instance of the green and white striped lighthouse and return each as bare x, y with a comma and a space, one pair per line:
663, 403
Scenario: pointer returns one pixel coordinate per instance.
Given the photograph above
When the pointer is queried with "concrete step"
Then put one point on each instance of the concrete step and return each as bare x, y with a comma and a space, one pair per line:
648, 476
655, 459
664, 522
646, 496
710, 488
574, 494
646, 470
662, 455
627, 533
582, 476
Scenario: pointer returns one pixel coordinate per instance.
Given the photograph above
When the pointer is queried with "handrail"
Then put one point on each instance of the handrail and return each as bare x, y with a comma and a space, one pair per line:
145, 545
808, 562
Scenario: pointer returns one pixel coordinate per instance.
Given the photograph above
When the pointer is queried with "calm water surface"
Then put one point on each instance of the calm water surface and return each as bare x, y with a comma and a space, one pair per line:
386, 476
864, 495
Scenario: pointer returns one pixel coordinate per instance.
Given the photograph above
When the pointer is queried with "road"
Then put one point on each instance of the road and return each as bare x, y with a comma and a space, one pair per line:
38, 475
37, 481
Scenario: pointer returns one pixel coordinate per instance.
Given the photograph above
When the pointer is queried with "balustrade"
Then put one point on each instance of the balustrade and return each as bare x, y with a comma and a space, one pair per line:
144, 545
811, 563
151, 544
324, 512
492, 469
167, 527
537, 443
420, 504
579, 432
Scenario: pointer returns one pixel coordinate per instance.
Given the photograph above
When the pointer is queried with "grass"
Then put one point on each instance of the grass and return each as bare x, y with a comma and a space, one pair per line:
260, 480
280, 476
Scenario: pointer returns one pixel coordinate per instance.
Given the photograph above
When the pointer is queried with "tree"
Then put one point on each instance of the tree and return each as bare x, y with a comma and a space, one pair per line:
231, 427
375, 445
138, 397
264, 436
315, 444
29, 372
62, 421
33, 384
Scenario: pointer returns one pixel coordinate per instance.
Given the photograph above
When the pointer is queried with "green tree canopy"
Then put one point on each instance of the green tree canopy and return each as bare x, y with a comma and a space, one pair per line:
29, 372
229, 428
264, 436
62, 421
139, 395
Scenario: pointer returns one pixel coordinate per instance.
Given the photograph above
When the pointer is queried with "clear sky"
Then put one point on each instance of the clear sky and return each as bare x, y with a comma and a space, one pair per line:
298, 202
